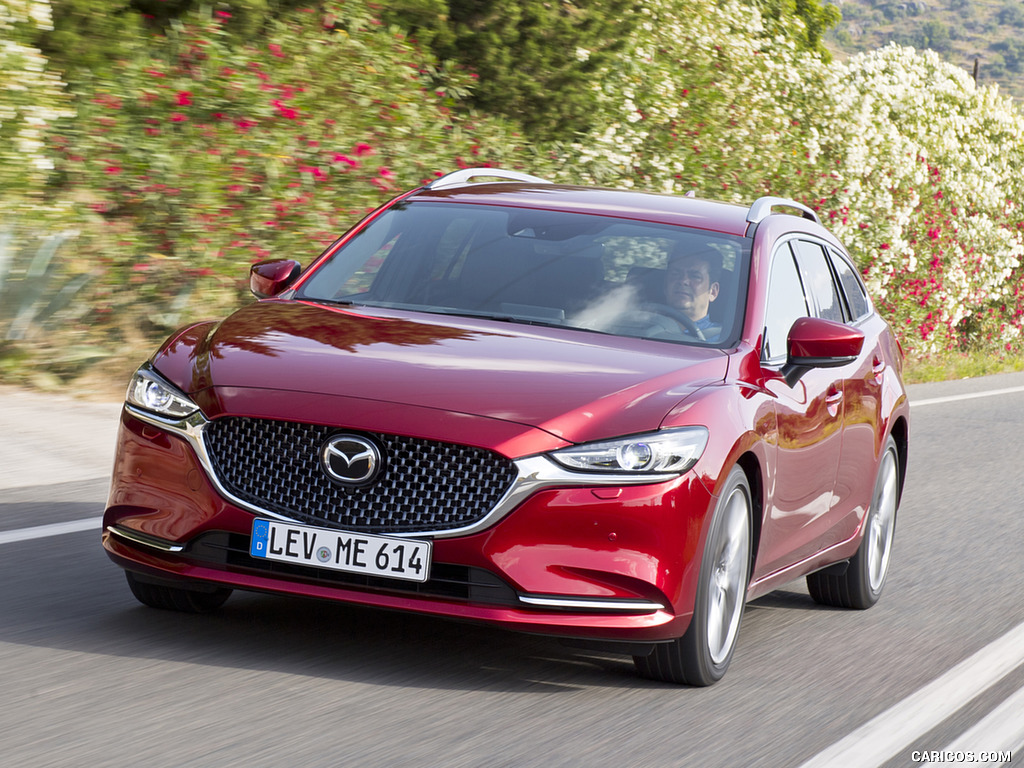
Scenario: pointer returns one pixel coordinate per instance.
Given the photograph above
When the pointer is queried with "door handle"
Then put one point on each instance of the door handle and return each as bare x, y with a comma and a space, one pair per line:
832, 400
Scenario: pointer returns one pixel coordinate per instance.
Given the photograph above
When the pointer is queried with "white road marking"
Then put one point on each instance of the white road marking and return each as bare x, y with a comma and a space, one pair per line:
1002, 730
881, 738
969, 396
54, 529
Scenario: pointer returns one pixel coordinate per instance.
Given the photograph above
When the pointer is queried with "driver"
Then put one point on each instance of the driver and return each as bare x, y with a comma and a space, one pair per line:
690, 287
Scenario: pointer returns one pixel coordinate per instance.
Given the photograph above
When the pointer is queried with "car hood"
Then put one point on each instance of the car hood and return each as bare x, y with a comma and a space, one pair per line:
575, 385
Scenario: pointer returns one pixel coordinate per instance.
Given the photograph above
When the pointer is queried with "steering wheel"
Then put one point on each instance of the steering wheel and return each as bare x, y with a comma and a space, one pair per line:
666, 311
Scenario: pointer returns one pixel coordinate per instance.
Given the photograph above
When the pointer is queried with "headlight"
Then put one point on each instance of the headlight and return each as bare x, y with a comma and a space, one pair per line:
149, 391
671, 450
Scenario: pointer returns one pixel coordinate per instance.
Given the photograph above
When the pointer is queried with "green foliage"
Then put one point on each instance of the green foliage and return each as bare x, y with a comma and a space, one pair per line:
817, 20
537, 61
933, 34
41, 293
1012, 54
1011, 14
32, 286
90, 36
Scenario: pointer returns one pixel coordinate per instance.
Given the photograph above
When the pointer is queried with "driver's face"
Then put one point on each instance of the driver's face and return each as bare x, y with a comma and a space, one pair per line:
689, 288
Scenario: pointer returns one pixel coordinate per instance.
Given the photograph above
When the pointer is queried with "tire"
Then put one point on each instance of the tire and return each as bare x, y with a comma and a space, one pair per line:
702, 655
861, 584
170, 598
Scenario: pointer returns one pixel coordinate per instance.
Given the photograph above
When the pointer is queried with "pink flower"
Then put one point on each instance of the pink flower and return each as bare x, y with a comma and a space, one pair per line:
362, 148
223, 14
184, 98
112, 170
346, 160
386, 173
276, 50
286, 112
177, 117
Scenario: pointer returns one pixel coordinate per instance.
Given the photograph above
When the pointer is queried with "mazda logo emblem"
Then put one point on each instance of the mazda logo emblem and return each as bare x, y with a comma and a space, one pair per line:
351, 460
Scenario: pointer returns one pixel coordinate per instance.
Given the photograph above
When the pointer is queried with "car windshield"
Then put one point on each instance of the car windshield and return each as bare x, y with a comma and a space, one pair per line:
582, 271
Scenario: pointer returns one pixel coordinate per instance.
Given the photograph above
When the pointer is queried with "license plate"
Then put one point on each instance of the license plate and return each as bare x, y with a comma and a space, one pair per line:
387, 556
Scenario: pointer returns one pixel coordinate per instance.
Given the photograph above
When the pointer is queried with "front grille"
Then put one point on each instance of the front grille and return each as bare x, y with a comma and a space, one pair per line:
426, 486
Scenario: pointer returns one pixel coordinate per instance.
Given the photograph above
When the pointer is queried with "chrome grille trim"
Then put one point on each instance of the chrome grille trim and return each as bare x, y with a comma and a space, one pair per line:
427, 485
533, 474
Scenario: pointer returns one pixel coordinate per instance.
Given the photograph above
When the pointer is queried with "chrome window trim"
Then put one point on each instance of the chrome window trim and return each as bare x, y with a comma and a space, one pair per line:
534, 473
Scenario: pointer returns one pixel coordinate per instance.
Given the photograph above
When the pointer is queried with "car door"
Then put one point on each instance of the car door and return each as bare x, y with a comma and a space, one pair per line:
809, 412
862, 406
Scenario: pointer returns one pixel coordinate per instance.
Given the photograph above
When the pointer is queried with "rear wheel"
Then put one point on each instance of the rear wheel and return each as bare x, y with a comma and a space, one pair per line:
170, 598
702, 655
860, 585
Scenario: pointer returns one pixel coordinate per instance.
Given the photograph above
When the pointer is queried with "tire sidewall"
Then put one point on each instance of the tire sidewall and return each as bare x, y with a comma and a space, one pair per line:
860, 562
695, 642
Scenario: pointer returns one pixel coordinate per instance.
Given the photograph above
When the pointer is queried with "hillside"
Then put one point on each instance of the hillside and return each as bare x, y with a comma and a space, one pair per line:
989, 32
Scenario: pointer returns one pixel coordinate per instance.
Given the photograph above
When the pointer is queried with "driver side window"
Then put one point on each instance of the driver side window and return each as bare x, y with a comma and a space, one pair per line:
786, 304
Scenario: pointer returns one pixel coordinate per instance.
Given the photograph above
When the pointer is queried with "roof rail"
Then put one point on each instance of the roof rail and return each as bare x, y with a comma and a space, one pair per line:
761, 208
466, 175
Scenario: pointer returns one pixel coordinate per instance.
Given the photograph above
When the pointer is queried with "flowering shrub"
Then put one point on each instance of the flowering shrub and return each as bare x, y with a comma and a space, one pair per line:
908, 162
200, 156
928, 196
700, 102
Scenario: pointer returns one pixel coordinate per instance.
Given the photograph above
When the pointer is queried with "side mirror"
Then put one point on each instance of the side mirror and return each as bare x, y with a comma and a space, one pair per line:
817, 343
269, 278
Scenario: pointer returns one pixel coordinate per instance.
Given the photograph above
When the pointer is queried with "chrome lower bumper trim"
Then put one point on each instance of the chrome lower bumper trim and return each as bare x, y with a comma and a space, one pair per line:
145, 539
593, 604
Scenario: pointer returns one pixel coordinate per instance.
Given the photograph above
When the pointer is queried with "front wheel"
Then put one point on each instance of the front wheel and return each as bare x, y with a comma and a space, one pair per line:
702, 655
170, 598
860, 585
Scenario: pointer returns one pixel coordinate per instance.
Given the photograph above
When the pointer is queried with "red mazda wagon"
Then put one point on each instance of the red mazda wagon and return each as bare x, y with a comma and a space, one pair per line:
607, 416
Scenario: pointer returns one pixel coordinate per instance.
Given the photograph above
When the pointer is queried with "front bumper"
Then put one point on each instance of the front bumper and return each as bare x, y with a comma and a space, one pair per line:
611, 562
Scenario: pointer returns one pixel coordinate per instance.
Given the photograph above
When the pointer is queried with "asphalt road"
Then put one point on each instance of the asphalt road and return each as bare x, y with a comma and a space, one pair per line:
91, 678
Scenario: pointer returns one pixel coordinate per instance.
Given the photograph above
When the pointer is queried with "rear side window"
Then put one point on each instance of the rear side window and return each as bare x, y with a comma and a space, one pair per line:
817, 275
786, 304
856, 294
